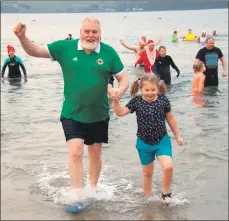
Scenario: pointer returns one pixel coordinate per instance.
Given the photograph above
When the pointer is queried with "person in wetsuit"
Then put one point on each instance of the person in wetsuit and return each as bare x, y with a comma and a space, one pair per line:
14, 63
69, 37
162, 66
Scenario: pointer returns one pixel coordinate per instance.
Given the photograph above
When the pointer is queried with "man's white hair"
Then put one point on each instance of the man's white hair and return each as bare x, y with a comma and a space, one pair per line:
90, 19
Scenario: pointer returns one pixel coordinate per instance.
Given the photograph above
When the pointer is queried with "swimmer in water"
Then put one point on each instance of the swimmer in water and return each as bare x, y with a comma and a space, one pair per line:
202, 38
69, 37
148, 57
214, 33
174, 37
140, 48
190, 36
210, 55
143, 38
137, 49
13, 63
198, 84
199, 78
162, 66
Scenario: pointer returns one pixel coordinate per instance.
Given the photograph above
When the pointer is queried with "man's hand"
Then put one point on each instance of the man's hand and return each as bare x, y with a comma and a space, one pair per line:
19, 30
122, 42
114, 93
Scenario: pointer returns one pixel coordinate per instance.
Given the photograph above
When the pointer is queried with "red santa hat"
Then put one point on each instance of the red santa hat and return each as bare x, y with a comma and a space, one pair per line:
10, 48
150, 42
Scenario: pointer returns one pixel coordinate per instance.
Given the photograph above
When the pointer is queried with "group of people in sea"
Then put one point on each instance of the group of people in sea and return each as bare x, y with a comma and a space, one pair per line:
190, 36
158, 62
88, 88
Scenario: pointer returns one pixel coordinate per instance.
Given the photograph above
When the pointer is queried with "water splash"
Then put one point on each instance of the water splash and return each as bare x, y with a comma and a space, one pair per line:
178, 199
56, 188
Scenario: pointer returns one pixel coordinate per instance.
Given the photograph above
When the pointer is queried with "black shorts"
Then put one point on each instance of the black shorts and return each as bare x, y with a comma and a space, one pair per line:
90, 132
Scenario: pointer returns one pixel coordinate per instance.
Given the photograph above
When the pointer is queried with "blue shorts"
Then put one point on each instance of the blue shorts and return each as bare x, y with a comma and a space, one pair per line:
147, 152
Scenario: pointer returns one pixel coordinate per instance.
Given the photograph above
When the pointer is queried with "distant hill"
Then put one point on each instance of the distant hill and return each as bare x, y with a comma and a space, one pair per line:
107, 6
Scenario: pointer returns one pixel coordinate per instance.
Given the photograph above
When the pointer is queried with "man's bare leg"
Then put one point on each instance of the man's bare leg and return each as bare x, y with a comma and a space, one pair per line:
95, 163
75, 147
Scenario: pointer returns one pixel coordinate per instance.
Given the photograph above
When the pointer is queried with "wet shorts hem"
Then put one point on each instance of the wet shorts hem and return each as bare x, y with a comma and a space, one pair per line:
89, 132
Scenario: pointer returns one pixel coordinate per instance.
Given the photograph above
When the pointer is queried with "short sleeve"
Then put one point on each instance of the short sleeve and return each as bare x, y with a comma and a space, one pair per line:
132, 105
55, 50
167, 106
220, 53
200, 55
116, 63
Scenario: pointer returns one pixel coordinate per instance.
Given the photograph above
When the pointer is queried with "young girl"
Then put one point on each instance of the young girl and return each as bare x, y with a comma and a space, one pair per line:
162, 66
152, 109
199, 78
198, 84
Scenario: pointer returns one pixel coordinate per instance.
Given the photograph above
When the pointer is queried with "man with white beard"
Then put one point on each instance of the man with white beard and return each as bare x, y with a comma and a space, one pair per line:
87, 65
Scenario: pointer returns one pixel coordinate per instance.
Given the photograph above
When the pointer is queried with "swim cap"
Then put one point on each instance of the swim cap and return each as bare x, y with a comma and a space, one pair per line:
203, 31
10, 48
150, 42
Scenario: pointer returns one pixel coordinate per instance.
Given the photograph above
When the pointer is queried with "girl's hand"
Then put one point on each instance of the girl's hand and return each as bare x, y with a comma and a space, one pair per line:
179, 140
114, 93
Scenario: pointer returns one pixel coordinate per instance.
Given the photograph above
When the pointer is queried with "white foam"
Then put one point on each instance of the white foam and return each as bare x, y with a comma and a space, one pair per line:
64, 194
119, 190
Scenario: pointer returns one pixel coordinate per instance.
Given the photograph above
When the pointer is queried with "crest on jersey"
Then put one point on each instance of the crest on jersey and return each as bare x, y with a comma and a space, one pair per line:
100, 61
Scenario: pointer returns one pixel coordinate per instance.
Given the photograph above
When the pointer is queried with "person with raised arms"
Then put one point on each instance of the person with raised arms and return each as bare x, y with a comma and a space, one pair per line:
87, 64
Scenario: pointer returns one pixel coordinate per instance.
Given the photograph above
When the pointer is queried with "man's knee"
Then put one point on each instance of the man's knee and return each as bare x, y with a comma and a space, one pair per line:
75, 147
94, 152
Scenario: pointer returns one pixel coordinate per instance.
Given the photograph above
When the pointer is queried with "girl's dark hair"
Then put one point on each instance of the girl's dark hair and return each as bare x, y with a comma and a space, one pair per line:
149, 77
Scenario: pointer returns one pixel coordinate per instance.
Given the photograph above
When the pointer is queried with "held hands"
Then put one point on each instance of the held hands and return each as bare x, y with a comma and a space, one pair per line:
19, 30
178, 74
114, 93
179, 140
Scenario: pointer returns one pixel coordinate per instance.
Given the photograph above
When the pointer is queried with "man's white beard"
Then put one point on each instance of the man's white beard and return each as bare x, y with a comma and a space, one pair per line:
89, 45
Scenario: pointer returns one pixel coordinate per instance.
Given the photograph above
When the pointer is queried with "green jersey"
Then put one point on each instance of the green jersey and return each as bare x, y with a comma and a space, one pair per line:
86, 79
